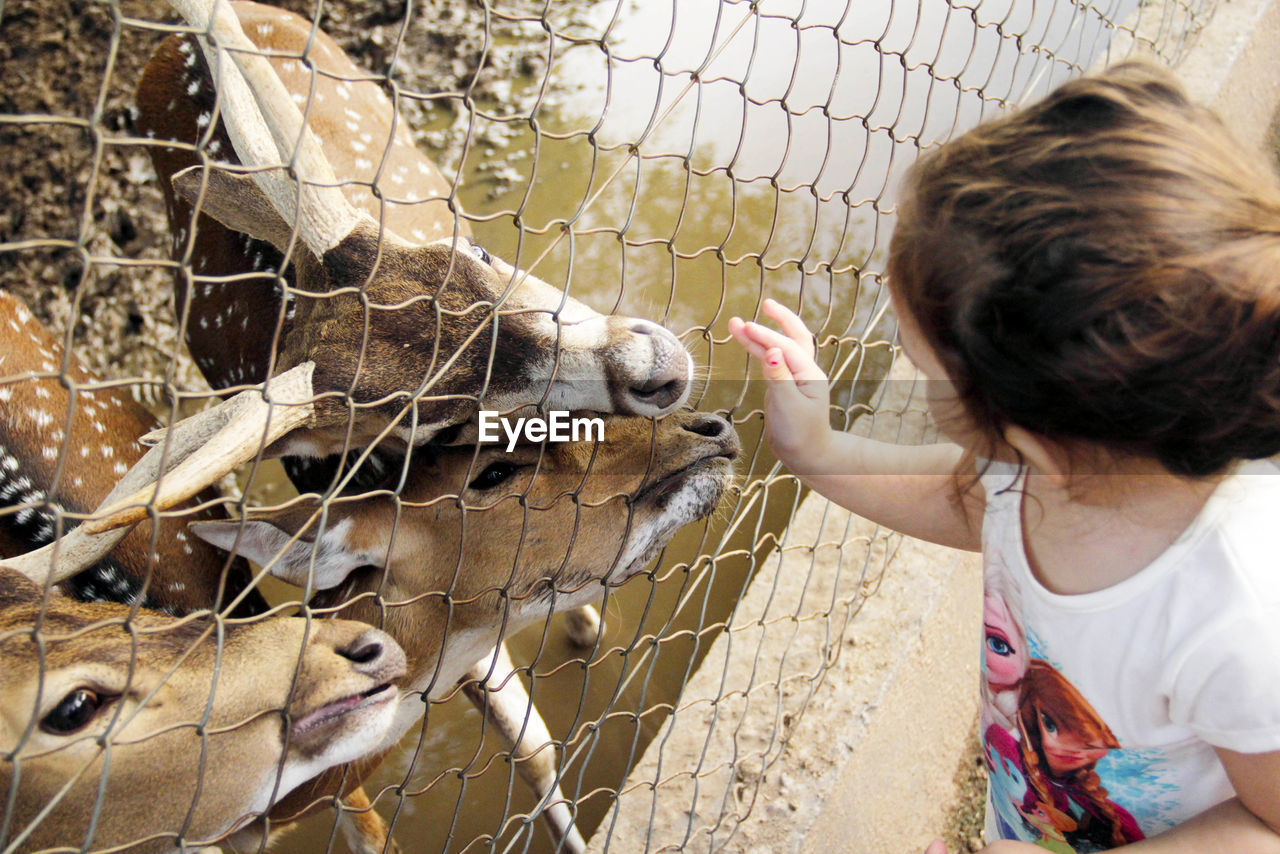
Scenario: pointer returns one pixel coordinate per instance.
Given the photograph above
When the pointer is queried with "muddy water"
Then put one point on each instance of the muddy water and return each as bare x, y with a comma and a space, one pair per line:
645, 193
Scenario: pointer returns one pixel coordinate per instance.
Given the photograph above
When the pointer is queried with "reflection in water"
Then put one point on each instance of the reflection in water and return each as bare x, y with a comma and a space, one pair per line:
715, 154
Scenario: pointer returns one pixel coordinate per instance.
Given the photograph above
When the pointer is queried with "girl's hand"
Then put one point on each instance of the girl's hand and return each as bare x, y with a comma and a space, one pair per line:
797, 397
910, 488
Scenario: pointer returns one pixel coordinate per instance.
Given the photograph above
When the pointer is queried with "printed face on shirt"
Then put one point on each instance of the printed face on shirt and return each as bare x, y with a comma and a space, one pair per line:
1065, 750
1050, 822
1005, 649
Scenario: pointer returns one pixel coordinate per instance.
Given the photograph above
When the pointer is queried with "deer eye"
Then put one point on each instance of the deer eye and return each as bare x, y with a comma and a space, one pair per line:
481, 253
493, 474
72, 713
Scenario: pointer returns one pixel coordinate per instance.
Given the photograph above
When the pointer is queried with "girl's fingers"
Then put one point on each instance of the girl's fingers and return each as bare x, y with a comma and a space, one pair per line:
802, 365
766, 337
737, 328
757, 339
775, 366
790, 322
798, 355
788, 389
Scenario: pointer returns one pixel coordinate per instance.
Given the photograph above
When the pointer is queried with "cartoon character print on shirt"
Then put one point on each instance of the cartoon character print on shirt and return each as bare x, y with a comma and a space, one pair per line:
1061, 740
1052, 824
1005, 654
1042, 742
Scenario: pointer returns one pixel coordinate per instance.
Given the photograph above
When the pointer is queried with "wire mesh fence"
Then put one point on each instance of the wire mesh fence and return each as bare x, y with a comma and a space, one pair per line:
658, 166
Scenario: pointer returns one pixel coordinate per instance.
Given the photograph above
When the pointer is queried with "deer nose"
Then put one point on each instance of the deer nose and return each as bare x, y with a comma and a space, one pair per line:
714, 427
374, 653
658, 373
706, 424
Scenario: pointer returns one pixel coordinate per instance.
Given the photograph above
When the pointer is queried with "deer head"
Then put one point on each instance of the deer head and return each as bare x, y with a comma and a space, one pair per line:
66, 439
484, 542
408, 323
117, 727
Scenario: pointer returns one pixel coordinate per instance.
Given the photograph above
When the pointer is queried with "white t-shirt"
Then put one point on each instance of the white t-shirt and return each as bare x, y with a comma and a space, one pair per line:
1101, 710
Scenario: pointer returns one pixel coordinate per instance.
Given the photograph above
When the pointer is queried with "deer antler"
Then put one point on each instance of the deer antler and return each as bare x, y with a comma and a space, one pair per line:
267, 129
192, 454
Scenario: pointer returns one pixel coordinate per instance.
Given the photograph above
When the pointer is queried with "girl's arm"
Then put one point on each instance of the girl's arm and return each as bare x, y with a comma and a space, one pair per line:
910, 488
1247, 824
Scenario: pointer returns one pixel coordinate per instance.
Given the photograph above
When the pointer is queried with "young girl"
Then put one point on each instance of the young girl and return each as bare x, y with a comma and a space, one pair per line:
1091, 289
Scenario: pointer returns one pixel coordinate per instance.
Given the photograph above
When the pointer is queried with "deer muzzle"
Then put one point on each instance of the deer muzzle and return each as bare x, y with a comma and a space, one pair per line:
650, 372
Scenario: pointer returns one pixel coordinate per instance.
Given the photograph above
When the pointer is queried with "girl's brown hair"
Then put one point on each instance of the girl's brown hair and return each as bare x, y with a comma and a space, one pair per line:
1103, 266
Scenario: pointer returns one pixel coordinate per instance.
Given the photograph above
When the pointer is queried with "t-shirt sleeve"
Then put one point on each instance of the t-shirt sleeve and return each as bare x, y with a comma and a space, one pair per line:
1227, 688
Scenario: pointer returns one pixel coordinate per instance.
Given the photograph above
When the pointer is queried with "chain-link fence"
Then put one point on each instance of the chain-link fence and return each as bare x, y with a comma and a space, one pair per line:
669, 162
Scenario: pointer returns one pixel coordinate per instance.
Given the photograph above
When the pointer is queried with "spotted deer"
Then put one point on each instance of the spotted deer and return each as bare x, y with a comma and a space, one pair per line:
409, 324
123, 727
66, 439
486, 542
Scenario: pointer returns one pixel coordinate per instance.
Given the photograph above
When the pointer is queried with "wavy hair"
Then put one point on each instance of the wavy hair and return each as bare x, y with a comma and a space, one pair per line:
1102, 267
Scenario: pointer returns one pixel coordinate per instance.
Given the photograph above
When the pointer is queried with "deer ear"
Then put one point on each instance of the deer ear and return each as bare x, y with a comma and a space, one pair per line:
327, 561
236, 201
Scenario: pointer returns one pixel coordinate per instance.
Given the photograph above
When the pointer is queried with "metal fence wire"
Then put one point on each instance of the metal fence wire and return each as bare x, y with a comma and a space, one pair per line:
665, 163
